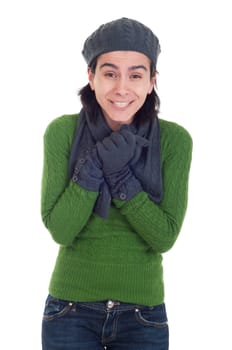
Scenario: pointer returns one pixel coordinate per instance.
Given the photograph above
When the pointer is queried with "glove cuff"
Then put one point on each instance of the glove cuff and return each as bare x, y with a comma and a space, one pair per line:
88, 174
124, 184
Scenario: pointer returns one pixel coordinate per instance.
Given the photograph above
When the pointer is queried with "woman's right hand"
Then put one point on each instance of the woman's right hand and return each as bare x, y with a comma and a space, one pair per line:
116, 150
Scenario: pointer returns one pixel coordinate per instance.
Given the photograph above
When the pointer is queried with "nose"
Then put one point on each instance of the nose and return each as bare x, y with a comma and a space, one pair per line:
121, 87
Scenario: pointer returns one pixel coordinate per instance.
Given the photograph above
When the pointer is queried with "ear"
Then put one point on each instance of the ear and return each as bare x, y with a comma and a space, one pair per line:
91, 78
152, 83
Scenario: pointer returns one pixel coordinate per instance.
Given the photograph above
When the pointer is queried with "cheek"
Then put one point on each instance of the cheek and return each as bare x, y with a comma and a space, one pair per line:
144, 89
144, 92
101, 90
100, 95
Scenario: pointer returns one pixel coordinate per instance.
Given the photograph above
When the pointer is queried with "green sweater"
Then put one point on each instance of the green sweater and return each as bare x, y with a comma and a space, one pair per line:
118, 258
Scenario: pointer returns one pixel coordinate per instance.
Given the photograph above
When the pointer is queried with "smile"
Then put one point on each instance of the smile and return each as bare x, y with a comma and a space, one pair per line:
121, 104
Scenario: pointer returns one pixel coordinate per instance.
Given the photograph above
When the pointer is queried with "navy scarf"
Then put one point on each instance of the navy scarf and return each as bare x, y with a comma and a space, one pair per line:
147, 168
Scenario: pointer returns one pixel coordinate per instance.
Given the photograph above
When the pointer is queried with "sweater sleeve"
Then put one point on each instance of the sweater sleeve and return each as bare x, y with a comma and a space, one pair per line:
160, 224
65, 206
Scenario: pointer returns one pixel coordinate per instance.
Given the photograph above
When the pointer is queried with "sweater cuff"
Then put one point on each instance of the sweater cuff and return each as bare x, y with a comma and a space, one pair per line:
83, 192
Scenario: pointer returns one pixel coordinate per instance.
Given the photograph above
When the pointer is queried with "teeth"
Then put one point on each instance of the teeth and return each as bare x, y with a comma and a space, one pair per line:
121, 104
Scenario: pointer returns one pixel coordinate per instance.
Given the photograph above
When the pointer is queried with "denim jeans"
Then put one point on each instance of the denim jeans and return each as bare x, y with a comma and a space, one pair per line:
103, 325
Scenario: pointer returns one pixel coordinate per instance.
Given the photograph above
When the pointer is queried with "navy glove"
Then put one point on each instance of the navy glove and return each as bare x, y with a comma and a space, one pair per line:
115, 152
88, 173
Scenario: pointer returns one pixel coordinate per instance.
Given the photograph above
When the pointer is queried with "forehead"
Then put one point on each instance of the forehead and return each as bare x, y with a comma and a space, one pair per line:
124, 59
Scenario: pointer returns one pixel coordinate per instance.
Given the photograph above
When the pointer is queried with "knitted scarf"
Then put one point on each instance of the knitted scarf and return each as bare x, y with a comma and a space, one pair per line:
147, 168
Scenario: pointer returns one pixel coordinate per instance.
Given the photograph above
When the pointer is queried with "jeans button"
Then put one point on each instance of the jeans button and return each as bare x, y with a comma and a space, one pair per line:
110, 304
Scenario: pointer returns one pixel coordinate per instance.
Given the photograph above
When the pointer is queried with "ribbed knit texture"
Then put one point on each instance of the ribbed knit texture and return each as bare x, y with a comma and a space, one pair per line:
123, 34
120, 257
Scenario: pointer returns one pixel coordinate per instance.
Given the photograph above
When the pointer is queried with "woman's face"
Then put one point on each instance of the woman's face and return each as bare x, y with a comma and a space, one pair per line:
121, 82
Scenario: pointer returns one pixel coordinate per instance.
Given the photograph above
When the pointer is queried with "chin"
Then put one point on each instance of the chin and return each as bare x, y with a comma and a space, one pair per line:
122, 120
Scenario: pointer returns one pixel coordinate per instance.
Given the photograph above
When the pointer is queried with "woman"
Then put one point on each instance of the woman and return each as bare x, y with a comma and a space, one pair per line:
114, 196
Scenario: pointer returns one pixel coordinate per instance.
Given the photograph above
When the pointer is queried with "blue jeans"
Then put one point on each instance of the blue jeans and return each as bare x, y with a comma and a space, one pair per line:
103, 325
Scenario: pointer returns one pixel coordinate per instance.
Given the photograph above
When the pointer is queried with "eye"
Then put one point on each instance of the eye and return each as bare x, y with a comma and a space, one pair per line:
135, 76
110, 75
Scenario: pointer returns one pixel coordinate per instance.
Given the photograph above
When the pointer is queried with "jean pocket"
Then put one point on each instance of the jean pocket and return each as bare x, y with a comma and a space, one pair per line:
153, 317
55, 308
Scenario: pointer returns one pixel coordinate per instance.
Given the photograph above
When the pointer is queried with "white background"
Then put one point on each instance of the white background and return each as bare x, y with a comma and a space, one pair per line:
41, 71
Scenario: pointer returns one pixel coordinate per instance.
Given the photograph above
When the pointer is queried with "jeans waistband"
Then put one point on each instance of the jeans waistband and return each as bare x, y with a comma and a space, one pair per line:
115, 305
108, 305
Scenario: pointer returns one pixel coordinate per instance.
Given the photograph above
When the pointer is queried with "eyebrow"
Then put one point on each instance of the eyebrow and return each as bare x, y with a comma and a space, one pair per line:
114, 66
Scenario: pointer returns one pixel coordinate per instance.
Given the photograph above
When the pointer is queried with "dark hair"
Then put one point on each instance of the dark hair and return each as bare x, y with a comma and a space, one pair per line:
149, 110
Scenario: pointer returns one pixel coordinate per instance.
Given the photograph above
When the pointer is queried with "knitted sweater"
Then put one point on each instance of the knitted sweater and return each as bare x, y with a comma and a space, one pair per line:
120, 257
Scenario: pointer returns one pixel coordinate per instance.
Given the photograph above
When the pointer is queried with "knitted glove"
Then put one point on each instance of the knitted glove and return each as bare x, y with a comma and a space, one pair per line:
88, 173
115, 152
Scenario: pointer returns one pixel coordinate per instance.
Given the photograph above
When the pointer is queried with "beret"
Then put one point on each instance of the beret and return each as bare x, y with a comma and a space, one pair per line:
123, 34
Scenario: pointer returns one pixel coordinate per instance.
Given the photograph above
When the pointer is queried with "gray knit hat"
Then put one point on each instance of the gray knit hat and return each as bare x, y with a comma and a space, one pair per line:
121, 35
